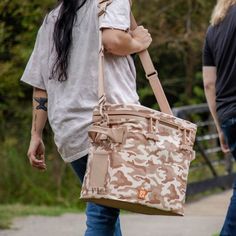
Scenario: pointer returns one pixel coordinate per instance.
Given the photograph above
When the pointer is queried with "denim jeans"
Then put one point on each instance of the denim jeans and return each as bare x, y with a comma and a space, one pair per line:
101, 220
229, 227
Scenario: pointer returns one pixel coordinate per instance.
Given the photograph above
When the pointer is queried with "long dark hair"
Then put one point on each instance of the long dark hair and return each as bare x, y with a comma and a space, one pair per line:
62, 36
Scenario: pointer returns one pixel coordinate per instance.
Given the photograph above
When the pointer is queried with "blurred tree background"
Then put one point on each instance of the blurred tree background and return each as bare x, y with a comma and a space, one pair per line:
178, 28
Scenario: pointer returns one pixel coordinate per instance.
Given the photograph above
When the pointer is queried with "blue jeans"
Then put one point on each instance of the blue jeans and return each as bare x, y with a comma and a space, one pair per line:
229, 227
101, 220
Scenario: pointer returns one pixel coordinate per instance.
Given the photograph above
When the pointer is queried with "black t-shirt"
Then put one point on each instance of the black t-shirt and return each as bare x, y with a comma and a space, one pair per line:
220, 51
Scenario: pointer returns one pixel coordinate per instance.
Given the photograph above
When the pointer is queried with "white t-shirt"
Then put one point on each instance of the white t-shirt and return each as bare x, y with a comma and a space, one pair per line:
70, 103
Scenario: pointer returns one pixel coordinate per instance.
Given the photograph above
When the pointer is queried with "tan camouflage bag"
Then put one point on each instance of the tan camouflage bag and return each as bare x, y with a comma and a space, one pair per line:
139, 158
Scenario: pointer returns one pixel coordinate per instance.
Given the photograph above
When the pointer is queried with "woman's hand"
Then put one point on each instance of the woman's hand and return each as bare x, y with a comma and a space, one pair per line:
142, 37
223, 144
36, 153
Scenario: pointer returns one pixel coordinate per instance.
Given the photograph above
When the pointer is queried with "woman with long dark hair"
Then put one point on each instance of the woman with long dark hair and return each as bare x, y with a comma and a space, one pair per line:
63, 69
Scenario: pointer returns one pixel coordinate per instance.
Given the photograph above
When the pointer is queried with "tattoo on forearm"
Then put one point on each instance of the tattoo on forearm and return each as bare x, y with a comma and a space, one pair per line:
42, 103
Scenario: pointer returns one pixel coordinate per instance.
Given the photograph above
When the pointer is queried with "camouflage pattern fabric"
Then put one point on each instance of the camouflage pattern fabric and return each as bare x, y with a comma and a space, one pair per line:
138, 156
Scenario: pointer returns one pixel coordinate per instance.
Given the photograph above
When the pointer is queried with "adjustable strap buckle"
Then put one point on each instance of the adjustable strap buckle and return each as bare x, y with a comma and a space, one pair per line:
103, 6
102, 103
152, 74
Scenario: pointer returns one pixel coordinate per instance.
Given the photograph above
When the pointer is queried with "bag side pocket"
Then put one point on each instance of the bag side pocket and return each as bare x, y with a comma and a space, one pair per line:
99, 169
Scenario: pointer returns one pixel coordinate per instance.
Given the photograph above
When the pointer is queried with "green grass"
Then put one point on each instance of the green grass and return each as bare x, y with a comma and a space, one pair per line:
8, 212
215, 235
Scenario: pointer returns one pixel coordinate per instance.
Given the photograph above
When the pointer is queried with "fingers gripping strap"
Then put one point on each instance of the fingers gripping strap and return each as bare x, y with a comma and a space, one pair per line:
151, 73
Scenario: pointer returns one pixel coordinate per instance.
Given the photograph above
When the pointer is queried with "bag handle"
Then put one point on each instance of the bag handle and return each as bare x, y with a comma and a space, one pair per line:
151, 72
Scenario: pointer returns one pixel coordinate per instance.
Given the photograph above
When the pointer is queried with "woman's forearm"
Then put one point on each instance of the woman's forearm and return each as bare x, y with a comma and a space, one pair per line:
210, 96
120, 43
39, 111
209, 79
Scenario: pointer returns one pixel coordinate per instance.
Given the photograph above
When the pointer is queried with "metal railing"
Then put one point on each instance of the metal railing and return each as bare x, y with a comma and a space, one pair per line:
211, 168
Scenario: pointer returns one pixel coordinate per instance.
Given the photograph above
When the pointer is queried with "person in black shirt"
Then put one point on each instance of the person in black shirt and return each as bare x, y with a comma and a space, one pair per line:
219, 76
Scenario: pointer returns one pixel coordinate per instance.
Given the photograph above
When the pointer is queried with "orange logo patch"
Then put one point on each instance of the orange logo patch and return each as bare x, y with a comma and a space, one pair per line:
142, 193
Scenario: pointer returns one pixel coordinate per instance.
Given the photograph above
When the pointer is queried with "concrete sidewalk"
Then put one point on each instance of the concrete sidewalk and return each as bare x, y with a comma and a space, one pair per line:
202, 218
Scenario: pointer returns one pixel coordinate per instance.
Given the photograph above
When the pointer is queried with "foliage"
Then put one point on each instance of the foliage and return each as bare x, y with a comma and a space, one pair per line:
178, 29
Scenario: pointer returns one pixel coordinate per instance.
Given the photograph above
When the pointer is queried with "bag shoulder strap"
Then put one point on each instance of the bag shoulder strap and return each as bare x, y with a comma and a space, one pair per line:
150, 71
152, 76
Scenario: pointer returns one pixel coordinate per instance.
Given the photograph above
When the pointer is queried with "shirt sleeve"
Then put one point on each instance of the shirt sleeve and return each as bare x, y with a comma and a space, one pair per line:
36, 71
208, 58
117, 15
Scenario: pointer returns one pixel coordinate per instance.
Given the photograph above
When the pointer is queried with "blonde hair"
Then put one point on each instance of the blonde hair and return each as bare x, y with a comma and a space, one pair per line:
220, 11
